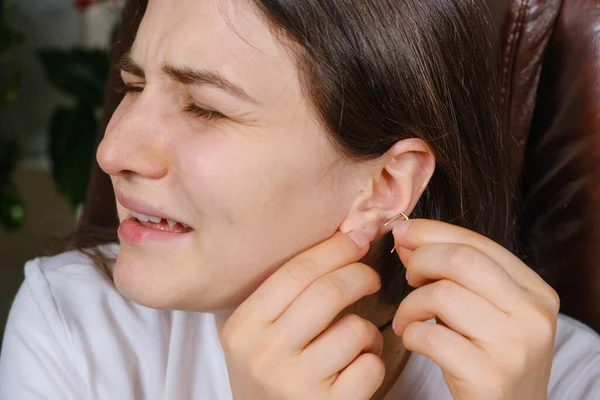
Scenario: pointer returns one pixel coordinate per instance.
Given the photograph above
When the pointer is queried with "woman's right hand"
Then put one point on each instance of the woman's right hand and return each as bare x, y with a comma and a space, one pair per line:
278, 343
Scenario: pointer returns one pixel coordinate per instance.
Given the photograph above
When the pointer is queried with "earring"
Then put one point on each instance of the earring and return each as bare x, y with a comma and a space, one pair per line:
400, 214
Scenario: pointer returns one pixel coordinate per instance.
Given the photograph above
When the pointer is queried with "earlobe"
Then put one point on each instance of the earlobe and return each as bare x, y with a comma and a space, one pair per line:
395, 185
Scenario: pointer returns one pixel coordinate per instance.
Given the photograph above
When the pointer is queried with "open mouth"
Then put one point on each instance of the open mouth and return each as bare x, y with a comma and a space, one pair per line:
161, 224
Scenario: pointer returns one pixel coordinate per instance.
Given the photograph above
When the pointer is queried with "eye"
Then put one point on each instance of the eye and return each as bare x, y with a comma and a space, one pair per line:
191, 108
128, 89
202, 112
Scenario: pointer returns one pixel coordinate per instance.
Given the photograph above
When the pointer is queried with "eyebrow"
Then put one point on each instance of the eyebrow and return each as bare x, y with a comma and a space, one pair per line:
188, 77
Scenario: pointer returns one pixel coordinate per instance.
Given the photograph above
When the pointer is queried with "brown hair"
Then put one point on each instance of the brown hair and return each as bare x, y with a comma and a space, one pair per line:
381, 71
377, 72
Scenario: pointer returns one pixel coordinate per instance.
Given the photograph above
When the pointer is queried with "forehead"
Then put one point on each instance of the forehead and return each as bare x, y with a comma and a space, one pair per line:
229, 36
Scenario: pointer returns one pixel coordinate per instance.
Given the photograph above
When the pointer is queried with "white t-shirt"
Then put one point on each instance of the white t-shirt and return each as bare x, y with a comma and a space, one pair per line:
71, 335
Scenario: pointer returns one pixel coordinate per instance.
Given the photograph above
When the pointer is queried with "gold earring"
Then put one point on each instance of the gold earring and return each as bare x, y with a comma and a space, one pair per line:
400, 214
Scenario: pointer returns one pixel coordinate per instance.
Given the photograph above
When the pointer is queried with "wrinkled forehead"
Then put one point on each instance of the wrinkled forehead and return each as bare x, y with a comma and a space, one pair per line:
230, 36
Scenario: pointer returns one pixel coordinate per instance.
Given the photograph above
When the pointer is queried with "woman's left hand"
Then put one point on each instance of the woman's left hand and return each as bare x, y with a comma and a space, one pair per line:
496, 317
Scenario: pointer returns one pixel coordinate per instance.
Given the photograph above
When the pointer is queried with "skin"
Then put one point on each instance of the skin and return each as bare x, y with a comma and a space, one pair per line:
494, 336
258, 186
496, 317
267, 195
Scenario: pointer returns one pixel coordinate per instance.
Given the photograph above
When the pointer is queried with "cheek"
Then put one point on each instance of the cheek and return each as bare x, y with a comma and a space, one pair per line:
247, 182
214, 176
258, 204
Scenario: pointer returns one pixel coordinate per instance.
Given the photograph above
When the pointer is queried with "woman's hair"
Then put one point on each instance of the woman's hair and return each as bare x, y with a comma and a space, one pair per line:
377, 72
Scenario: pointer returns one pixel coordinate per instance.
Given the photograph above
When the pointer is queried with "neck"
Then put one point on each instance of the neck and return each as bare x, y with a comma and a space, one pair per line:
371, 308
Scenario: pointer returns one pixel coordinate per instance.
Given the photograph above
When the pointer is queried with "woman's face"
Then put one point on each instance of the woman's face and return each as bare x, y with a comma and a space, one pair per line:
255, 178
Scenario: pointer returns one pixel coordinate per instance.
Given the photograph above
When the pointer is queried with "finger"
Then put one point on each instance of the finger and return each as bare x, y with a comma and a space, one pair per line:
453, 353
468, 267
318, 305
460, 309
339, 345
419, 232
360, 380
280, 290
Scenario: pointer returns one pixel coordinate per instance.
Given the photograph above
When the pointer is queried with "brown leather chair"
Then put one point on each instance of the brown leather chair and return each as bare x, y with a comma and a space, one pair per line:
550, 70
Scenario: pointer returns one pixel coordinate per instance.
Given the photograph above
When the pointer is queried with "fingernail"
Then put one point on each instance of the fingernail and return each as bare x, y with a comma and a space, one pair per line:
360, 238
400, 228
394, 324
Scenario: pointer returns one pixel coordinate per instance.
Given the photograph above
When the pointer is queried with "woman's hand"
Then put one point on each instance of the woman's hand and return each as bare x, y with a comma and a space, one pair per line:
496, 317
278, 343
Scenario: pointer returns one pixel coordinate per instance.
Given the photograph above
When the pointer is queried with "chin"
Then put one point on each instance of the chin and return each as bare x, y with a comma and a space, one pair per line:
133, 280
165, 284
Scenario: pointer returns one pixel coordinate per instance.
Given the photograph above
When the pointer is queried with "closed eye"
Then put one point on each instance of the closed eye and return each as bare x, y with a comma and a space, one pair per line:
202, 112
129, 89
190, 108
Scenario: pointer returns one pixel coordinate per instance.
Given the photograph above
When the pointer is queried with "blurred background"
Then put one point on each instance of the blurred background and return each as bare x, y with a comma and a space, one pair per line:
54, 64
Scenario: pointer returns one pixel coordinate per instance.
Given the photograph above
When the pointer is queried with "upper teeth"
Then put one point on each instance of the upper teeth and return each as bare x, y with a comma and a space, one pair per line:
156, 220
145, 218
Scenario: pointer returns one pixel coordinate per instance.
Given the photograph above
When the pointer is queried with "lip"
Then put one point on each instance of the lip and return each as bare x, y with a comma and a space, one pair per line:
131, 231
140, 207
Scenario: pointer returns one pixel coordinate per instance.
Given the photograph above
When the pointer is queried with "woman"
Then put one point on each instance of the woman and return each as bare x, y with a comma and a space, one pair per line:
263, 149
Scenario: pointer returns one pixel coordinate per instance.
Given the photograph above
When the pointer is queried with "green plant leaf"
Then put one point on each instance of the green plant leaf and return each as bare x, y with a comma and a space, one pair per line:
72, 143
80, 73
10, 79
12, 211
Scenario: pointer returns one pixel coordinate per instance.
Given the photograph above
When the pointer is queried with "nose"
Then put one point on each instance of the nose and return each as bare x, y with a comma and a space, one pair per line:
134, 142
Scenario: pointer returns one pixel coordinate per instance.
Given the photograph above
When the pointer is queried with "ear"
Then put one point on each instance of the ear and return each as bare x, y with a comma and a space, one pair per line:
395, 183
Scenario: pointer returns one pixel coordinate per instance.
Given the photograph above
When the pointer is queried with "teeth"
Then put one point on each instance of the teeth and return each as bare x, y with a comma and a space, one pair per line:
145, 218
141, 217
156, 220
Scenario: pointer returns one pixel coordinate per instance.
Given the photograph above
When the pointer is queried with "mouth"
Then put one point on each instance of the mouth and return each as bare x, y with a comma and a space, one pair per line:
147, 224
158, 223
142, 229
